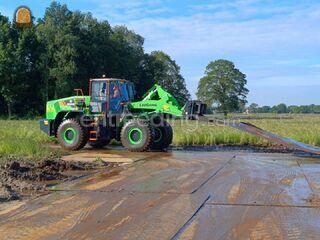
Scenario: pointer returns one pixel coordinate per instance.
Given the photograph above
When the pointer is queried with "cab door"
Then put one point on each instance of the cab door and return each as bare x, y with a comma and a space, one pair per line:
116, 95
99, 97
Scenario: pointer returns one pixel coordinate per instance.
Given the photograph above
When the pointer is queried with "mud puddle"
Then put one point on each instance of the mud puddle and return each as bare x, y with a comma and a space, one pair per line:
21, 179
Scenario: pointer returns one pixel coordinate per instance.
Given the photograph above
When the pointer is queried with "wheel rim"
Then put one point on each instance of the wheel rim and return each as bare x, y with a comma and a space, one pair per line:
135, 136
69, 135
158, 134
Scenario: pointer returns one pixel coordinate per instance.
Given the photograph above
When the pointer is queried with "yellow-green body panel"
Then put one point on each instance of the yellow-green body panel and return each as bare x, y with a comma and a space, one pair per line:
66, 105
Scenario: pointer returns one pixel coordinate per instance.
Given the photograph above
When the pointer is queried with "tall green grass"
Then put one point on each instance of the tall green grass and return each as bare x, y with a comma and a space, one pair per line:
22, 138
195, 134
303, 128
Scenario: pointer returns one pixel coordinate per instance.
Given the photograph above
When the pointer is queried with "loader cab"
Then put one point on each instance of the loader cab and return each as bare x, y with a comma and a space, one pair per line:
110, 95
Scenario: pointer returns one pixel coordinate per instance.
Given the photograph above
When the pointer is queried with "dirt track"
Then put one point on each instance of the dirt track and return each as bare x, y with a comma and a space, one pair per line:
179, 195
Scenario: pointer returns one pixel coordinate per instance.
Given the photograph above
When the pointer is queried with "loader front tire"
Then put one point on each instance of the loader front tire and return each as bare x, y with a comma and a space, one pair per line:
136, 135
71, 135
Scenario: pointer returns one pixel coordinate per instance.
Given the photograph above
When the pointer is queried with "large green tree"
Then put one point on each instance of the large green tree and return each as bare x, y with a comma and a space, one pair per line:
223, 86
8, 43
28, 78
166, 73
95, 50
129, 55
56, 33
18, 75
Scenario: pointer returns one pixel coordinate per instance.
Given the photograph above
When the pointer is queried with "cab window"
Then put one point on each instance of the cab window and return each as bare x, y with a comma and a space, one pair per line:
115, 91
130, 91
99, 91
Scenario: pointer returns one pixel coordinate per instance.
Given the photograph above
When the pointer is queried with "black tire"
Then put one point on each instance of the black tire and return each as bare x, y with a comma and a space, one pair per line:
136, 135
169, 135
99, 143
71, 135
162, 136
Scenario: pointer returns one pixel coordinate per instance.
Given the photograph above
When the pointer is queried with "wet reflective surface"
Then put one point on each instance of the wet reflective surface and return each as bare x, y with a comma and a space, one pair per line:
179, 195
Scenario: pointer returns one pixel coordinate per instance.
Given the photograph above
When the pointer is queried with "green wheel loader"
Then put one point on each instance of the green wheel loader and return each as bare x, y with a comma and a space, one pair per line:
110, 112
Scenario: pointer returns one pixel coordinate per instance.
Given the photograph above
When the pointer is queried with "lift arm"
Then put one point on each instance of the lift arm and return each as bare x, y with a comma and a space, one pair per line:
159, 101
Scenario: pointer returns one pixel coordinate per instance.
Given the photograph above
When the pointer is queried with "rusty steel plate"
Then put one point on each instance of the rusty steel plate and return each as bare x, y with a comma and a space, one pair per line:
258, 179
253, 222
172, 172
180, 195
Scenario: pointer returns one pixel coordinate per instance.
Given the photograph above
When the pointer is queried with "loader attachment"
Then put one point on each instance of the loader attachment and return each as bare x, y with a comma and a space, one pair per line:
193, 110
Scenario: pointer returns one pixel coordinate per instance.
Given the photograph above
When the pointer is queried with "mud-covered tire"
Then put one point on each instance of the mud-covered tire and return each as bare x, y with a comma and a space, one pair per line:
136, 135
71, 135
162, 136
99, 143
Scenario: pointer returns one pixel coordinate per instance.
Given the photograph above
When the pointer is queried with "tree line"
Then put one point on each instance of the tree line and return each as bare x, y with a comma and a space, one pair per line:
283, 108
64, 49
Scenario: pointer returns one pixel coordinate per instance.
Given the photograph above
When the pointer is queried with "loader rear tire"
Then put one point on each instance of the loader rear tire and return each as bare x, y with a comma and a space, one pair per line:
71, 135
136, 135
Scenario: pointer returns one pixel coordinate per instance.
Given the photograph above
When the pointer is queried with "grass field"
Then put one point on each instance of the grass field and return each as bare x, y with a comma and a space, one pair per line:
20, 138
24, 139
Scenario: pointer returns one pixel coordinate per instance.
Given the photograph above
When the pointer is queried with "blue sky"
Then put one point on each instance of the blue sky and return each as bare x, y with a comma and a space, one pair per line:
275, 43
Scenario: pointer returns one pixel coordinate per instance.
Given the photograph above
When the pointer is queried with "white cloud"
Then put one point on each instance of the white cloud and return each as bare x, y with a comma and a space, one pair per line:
120, 12
218, 32
202, 34
288, 80
158, 10
267, 41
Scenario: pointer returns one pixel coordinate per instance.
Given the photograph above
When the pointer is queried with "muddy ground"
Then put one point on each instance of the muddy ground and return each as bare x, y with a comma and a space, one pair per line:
21, 179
